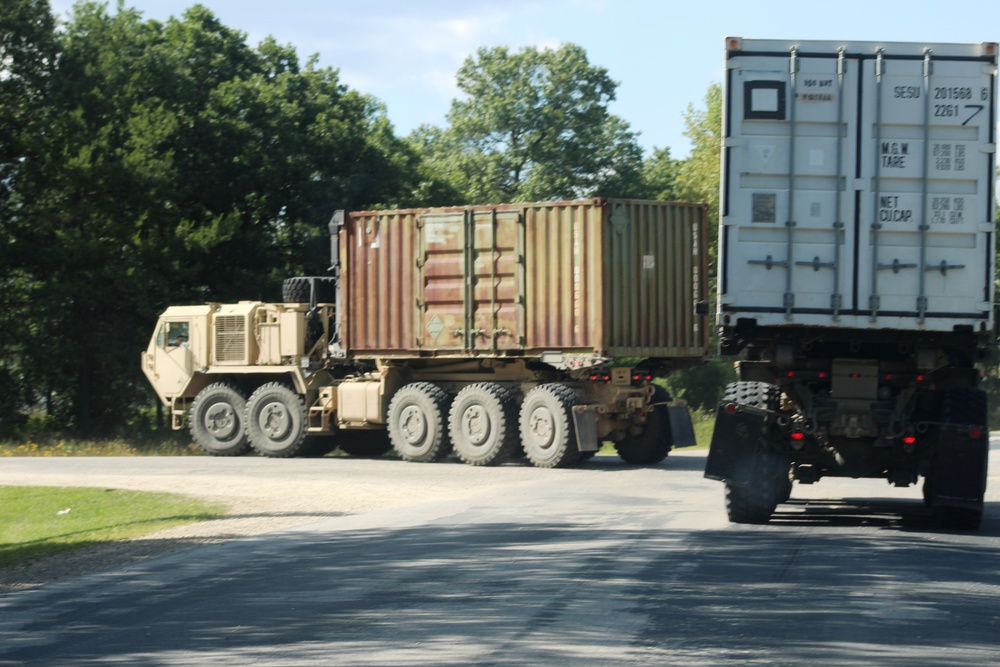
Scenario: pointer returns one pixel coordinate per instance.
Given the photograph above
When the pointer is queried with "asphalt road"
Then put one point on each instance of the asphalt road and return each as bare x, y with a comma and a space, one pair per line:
602, 565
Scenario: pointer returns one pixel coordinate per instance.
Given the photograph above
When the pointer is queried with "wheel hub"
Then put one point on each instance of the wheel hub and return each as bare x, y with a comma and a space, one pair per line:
274, 420
542, 426
476, 425
413, 424
220, 420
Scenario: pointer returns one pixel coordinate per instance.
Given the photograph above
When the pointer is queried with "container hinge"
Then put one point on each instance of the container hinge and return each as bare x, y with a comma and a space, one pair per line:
769, 262
943, 267
874, 303
922, 306
896, 266
817, 265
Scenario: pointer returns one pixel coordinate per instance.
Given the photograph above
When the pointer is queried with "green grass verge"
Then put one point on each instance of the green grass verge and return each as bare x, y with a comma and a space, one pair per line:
37, 521
69, 447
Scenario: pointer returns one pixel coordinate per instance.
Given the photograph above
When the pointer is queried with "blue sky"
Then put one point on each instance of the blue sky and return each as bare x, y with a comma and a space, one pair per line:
663, 54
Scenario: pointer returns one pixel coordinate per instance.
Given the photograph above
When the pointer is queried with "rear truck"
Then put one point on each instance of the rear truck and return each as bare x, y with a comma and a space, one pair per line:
856, 270
494, 331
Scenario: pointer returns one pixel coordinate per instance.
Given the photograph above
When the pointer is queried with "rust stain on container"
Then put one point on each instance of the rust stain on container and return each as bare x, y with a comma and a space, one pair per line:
610, 277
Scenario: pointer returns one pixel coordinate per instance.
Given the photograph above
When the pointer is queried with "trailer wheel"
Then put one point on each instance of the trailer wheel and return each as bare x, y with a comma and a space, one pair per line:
363, 443
276, 420
217, 423
655, 442
546, 425
417, 427
769, 482
482, 424
961, 406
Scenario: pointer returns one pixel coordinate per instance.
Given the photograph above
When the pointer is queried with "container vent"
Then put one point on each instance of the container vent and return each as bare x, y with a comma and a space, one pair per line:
230, 339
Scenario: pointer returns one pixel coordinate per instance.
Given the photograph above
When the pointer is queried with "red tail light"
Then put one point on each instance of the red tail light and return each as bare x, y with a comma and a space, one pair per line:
798, 436
909, 440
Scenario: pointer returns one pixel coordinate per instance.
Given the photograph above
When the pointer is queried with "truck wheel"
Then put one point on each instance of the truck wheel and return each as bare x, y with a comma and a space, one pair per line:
417, 423
217, 424
298, 290
363, 443
482, 424
769, 484
276, 421
655, 442
961, 406
546, 425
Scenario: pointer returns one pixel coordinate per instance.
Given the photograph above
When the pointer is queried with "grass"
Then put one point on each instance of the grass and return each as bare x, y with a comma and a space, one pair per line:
40, 521
70, 447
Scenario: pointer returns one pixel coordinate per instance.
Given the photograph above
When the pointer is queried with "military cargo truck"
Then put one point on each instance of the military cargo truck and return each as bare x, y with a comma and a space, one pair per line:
856, 275
495, 331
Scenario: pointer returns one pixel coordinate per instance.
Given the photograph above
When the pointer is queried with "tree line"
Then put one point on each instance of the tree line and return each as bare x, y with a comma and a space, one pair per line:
147, 163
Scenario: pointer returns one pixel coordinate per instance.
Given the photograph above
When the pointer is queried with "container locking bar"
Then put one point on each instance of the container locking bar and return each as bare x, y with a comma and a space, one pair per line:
924, 227
874, 301
836, 300
793, 70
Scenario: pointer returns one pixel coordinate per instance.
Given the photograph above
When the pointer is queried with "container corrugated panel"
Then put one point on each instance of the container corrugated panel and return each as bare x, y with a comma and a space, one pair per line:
597, 276
858, 184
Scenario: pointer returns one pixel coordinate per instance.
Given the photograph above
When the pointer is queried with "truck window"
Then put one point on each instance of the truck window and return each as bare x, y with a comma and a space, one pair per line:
177, 334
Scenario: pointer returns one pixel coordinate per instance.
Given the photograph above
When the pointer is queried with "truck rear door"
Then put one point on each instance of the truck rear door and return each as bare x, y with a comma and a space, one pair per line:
858, 184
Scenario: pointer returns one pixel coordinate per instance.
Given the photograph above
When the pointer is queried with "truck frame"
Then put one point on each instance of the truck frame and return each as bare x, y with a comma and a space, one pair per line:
856, 247
496, 331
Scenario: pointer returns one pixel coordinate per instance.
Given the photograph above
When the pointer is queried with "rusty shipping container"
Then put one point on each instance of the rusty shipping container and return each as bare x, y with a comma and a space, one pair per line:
589, 279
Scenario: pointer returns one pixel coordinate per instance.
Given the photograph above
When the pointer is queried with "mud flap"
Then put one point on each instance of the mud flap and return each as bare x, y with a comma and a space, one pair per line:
740, 438
959, 469
681, 427
585, 420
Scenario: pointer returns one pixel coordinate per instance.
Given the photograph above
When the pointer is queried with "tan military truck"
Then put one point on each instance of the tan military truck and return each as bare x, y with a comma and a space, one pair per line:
490, 330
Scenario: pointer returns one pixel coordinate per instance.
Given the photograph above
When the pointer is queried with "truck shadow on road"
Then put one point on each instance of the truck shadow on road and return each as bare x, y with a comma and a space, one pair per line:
886, 513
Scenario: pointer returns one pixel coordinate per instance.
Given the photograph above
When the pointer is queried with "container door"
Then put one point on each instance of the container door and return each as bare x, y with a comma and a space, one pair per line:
925, 215
496, 293
468, 280
787, 212
857, 188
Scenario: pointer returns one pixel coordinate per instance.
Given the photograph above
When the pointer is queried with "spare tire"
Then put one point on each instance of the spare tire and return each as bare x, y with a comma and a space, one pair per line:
297, 290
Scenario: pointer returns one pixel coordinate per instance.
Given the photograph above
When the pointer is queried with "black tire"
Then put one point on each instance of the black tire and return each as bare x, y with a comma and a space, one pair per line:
483, 424
655, 442
365, 444
217, 424
417, 423
546, 424
276, 421
770, 485
299, 290
962, 406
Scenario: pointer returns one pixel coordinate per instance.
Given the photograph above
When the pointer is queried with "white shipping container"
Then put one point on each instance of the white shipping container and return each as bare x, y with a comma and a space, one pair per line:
858, 184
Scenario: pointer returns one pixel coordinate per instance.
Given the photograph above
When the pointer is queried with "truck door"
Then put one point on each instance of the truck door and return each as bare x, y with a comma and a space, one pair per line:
172, 359
857, 185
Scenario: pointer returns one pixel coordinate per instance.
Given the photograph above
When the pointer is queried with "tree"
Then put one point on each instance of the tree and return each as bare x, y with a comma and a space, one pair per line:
173, 163
27, 56
660, 173
699, 176
533, 125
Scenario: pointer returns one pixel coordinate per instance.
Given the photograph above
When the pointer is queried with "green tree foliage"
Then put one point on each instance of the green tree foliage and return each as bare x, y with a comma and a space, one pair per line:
660, 173
698, 176
533, 125
27, 56
169, 163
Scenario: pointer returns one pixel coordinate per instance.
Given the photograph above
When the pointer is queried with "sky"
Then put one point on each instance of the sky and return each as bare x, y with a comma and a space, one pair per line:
663, 54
